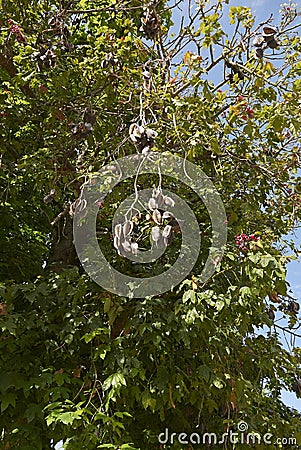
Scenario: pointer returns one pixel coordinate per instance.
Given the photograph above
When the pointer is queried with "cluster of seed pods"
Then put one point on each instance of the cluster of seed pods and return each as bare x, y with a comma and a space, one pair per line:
161, 230
267, 39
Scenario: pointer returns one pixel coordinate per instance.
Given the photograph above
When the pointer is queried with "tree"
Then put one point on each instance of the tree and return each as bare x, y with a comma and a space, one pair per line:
83, 364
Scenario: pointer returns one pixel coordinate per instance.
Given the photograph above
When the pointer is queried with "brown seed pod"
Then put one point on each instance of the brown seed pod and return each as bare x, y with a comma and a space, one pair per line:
169, 201
160, 200
118, 230
268, 30
152, 204
151, 134
272, 43
293, 307
134, 248
157, 218
258, 41
297, 387
271, 314
136, 132
146, 151
126, 246
49, 198
116, 242
161, 242
73, 207
259, 53
127, 228
156, 234
82, 205
146, 74
168, 215
167, 231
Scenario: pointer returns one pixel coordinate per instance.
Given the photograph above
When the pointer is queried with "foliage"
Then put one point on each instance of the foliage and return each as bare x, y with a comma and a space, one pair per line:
101, 371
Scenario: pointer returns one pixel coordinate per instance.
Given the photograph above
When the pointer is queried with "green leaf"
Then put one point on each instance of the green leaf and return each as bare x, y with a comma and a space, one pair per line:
7, 400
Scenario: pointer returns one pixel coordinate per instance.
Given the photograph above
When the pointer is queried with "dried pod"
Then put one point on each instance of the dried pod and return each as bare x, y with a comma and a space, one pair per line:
167, 231
152, 204
258, 41
118, 230
134, 248
160, 200
136, 132
168, 215
271, 314
269, 30
73, 207
156, 234
116, 242
146, 151
272, 43
106, 61
267, 37
82, 204
259, 53
156, 192
169, 201
127, 228
217, 259
126, 246
49, 198
151, 134
146, 74
293, 307
157, 218
161, 242
167, 241
297, 387
89, 116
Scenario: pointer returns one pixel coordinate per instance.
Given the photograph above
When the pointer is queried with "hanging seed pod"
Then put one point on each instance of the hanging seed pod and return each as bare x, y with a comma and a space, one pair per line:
82, 205
156, 192
161, 242
152, 204
136, 132
146, 151
116, 242
126, 246
127, 228
160, 200
146, 74
151, 134
118, 230
134, 248
293, 307
167, 231
297, 387
269, 30
271, 314
156, 234
89, 116
49, 198
73, 206
259, 53
168, 215
157, 218
169, 201
258, 41
272, 43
